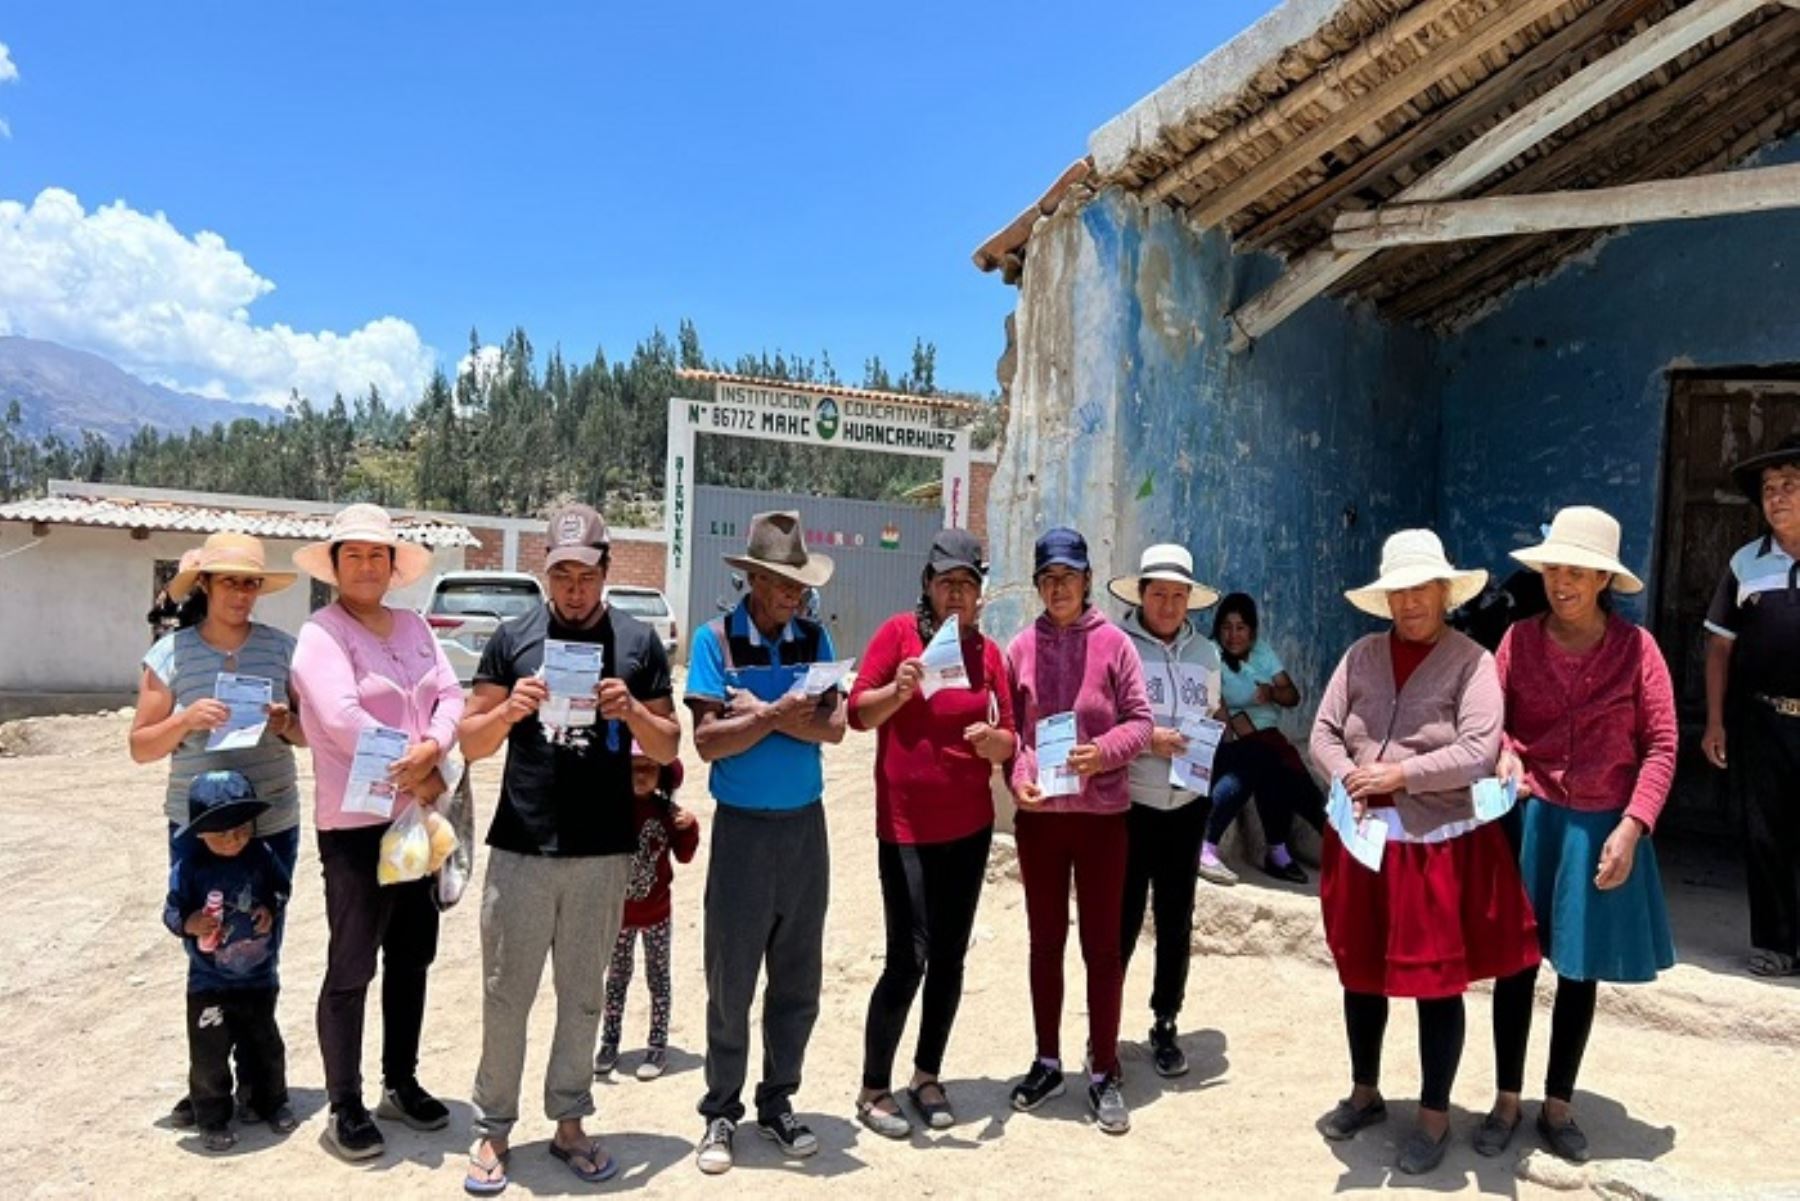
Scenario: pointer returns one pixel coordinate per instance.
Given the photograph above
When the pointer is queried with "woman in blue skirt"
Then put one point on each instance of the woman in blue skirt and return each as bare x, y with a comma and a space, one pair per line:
1590, 738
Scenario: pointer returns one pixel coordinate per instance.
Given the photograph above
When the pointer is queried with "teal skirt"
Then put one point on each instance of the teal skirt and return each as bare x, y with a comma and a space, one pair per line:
1621, 935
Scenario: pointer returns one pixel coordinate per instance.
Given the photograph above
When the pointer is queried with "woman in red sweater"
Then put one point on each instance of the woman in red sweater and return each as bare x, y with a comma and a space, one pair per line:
1590, 736
938, 739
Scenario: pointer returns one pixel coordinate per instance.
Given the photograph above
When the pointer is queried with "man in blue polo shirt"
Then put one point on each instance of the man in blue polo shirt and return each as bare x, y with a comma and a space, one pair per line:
768, 873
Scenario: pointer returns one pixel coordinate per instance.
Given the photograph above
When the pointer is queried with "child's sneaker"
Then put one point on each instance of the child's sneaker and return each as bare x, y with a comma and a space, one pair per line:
656, 1061
218, 1140
606, 1060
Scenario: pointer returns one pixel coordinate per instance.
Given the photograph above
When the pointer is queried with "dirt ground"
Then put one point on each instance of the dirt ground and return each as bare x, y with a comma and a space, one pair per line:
92, 1052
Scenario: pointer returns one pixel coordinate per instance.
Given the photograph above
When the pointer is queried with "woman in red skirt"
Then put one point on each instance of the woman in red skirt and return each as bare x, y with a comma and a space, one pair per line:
1410, 720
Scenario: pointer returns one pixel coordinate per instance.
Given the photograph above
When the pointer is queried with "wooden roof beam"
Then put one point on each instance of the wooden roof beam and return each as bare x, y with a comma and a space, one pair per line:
1317, 270
1753, 191
1361, 112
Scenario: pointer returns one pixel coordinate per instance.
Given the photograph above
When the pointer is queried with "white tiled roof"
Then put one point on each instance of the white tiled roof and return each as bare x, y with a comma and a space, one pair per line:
199, 519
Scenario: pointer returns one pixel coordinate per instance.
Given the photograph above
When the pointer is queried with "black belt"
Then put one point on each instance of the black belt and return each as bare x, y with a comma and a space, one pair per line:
1787, 706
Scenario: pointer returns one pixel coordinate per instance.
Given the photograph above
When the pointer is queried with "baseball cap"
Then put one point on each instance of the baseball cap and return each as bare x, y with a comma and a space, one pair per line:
577, 534
1061, 547
954, 549
220, 801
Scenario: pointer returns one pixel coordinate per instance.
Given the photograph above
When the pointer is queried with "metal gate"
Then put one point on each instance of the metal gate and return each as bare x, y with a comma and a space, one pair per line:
879, 548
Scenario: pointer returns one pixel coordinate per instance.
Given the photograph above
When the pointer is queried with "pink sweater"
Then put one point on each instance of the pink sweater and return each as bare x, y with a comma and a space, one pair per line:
1091, 668
1596, 731
348, 681
1443, 727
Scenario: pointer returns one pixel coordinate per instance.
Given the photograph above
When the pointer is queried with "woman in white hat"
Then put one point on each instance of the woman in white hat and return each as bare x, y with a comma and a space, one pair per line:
362, 664
1409, 722
1591, 738
1165, 824
178, 711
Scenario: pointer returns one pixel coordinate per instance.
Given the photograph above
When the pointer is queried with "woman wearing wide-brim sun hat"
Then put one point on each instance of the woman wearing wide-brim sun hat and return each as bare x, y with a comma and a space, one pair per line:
1590, 737
1409, 722
362, 664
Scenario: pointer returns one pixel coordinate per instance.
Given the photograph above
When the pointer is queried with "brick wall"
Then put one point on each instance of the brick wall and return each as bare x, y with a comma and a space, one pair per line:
490, 555
980, 476
633, 562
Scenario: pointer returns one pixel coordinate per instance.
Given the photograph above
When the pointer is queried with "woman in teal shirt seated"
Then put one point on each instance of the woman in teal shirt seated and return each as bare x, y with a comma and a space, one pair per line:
1255, 689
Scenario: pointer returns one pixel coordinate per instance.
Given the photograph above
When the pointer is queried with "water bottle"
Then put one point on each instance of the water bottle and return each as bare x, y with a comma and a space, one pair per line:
215, 908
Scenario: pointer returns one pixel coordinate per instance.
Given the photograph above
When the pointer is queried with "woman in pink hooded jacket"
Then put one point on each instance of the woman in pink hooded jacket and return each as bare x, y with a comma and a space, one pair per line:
1072, 818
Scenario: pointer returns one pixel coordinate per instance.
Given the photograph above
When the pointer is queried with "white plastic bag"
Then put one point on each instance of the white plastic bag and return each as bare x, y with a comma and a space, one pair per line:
405, 849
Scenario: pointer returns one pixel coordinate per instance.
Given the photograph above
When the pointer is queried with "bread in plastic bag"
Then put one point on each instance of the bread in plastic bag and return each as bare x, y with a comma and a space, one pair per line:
405, 849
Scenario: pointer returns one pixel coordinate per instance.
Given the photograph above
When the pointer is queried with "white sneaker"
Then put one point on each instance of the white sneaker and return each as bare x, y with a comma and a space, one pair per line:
714, 1156
656, 1061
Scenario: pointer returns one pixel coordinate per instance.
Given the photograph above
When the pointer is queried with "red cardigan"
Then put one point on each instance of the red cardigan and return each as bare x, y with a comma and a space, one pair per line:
930, 785
1596, 731
647, 890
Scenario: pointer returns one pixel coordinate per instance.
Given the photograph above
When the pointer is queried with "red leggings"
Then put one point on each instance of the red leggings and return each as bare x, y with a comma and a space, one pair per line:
1093, 849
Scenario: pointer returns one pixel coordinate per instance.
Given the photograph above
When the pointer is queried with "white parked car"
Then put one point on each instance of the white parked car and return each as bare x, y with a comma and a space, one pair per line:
650, 607
466, 606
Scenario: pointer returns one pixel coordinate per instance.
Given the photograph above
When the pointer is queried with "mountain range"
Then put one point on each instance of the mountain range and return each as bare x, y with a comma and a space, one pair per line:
65, 391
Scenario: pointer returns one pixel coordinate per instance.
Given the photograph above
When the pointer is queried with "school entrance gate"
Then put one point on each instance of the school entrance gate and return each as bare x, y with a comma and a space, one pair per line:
879, 547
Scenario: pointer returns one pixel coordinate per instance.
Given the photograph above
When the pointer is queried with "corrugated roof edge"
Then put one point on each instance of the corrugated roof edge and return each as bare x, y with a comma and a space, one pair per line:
121, 513
1210, 83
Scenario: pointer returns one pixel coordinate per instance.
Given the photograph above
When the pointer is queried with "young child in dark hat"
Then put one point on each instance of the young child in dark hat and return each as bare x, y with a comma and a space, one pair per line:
225, 890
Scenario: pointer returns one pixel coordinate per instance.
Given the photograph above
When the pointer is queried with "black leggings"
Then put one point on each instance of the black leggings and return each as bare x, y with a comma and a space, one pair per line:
1159, 873
1571, 1021
1440, 1043
928, 895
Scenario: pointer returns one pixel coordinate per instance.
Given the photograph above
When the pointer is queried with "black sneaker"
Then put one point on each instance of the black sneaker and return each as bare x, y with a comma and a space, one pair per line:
1291, 872
353, 1134
1041, 1083
1165, 1052
414, 1106
182, 1115
714, 1153
1108, 1106
789, 1133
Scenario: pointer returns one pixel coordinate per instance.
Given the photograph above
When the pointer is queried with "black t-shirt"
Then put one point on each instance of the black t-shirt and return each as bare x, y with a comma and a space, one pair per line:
571, 796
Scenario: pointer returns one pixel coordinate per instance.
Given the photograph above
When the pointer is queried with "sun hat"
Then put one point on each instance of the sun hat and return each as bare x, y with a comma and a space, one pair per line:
1582, 536
219, 801
671, 772
954, 550
777, 545
1059, 546
577, 534
1748, 474
1410, 558
1164, 561
364, 523
227, 553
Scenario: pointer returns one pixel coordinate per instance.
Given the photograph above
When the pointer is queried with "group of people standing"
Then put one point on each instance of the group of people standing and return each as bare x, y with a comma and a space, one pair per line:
1417, 732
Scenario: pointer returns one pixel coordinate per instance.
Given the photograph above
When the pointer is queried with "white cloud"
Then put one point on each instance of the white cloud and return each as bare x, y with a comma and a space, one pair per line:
5, 129
9, 70
164, 305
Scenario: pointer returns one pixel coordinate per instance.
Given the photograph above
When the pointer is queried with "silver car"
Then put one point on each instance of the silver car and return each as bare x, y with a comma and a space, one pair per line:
649, 606
467, 606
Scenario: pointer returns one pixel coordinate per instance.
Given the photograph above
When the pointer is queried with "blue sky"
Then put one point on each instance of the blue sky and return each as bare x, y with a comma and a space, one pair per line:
796, 177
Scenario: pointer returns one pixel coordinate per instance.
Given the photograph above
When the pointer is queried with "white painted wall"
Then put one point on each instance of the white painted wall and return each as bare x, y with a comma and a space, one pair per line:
72, 607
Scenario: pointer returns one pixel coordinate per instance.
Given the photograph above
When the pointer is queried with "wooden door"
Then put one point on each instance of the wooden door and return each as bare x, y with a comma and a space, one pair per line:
1714, 422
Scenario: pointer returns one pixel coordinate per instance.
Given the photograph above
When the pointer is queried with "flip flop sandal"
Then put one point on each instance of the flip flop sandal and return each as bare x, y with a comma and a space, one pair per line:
605, 1166
493, 1186
1772, 963
937, 1114
888, 1124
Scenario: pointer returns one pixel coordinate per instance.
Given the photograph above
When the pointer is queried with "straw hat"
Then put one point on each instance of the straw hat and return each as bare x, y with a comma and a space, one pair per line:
1408, 559
1582, 536
777, 545
1165, 561
228, 554
364, 523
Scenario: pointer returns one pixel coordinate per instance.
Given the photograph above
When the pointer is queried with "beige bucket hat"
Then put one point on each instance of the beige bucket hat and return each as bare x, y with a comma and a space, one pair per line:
364, 523
1408, 559
777, 545
1164, 561
227, 553
1582, 536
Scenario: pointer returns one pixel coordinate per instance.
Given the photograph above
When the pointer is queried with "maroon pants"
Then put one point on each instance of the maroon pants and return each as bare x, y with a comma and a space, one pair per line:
1091, 848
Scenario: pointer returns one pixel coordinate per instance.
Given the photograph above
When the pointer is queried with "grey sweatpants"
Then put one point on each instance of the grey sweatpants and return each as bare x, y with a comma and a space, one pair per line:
767, 884
533, 908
